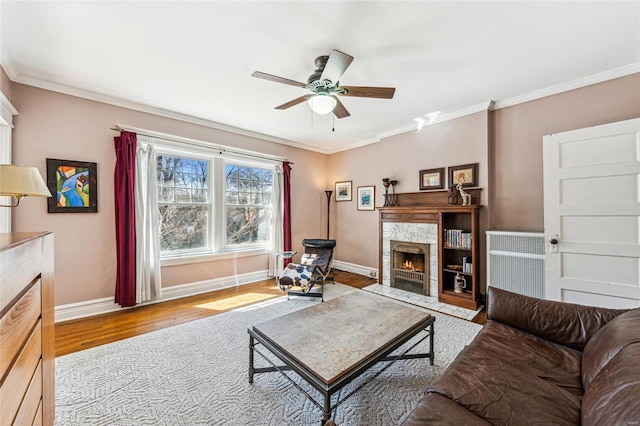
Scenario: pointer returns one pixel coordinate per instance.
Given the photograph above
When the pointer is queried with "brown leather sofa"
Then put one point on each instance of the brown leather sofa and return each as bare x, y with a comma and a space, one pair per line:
541, 362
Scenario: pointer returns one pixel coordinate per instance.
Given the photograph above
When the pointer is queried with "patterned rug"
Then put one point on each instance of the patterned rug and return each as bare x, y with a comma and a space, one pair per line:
197, 374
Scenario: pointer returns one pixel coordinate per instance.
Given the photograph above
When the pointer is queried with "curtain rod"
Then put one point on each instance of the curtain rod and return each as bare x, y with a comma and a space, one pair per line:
194, 142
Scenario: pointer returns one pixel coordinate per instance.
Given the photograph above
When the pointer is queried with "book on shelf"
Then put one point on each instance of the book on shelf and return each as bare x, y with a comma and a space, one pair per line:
467, 266
457, 238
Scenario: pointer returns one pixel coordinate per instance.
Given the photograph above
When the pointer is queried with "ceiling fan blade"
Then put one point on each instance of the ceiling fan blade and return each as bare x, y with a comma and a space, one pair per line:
369, 92
277, 79
296, 101
336, 66
340, 111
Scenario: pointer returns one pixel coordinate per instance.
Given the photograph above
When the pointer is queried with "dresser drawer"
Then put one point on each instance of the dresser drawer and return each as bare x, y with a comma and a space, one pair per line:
16, 324
18, 378
29, 408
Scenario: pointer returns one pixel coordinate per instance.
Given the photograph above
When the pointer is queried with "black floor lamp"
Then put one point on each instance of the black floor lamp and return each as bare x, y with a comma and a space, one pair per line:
328, 192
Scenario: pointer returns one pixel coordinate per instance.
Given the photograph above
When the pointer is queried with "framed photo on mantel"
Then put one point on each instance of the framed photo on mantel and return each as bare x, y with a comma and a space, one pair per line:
466, 174
432, 179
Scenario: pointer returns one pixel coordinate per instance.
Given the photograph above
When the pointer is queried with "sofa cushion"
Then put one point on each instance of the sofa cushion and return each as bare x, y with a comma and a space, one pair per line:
565, 323
556, 364
613, 396
618, 333
435, 409
507, 376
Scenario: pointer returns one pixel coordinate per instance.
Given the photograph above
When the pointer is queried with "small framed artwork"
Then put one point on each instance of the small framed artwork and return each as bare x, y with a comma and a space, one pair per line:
366, 198
343, 191
432, 179
74, 186
466, 174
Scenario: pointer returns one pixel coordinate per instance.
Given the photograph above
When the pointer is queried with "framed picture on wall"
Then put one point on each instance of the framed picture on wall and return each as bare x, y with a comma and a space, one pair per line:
432, 179
73, 186
343, 191
366, 198
466, 174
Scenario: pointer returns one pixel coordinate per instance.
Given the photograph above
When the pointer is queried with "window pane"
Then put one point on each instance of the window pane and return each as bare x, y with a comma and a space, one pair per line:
248, 207
179, 176
248, 225
183, 227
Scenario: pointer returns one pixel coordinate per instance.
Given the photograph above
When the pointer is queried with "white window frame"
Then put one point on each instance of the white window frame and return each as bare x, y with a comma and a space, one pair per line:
243, 163
7, 111
217, 249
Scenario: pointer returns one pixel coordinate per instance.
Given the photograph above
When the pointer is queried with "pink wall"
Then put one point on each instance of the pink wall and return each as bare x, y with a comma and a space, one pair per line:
53, 125
507, 144
516, 151
460, 141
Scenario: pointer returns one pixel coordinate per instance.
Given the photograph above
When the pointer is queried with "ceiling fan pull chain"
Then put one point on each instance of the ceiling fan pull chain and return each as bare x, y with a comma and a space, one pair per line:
333, 122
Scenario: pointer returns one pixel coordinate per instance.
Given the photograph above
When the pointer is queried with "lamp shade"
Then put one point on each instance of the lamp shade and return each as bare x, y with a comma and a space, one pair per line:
322, 104
21, 181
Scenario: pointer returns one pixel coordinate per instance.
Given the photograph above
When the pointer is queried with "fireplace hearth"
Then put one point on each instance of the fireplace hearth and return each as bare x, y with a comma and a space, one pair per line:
410, 266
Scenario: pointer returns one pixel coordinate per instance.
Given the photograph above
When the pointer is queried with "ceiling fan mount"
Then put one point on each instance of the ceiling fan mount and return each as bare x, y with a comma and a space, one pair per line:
325, 82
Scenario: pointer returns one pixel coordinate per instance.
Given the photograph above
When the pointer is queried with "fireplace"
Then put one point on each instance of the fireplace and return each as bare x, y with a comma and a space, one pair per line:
409, 263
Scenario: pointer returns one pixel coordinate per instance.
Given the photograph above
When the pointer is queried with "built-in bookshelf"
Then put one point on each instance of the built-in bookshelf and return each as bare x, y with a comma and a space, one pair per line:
459, 259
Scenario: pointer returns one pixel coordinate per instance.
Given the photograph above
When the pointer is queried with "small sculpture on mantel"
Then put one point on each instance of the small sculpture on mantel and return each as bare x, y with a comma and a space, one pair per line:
466, 197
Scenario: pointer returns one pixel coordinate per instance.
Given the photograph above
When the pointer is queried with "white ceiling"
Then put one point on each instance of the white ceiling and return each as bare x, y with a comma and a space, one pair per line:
196, 58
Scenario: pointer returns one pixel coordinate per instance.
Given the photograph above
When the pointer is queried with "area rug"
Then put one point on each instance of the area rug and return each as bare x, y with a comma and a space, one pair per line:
197, 374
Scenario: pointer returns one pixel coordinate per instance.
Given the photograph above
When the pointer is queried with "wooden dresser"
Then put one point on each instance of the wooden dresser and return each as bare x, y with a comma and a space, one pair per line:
27, 333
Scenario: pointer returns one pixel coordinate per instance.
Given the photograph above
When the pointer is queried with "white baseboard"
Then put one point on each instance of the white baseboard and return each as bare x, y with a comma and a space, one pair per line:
367, 271
106, 304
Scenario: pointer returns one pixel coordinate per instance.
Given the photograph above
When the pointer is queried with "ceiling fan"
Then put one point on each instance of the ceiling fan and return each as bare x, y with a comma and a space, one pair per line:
324, 83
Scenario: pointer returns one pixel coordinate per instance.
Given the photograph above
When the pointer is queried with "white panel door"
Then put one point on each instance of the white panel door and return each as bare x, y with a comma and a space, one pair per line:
592, 214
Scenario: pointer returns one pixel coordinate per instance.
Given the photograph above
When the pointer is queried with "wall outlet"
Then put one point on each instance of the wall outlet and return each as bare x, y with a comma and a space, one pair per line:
374, 274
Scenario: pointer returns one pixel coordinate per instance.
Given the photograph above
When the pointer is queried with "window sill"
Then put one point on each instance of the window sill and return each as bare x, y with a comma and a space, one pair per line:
210, 257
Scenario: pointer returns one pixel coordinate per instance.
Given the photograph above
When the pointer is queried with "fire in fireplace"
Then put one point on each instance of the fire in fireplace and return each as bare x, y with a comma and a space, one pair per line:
410, 266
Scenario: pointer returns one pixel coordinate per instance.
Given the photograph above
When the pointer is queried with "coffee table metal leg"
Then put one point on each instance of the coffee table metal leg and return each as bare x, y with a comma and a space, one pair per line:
431, 344
326, 411
251, 368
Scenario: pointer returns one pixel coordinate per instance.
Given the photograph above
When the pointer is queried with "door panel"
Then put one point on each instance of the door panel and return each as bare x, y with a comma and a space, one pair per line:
592, 205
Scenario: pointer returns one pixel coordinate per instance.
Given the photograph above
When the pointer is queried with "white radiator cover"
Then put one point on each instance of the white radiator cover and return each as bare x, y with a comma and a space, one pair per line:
515, 262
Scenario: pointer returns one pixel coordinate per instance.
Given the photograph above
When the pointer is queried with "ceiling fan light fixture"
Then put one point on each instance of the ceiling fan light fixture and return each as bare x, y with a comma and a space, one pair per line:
321, 104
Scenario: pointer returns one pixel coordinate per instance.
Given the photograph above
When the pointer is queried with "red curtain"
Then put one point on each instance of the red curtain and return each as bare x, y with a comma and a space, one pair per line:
286, 168
124, 186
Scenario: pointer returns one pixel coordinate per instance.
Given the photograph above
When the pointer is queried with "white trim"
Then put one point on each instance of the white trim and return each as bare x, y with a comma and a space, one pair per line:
7, 108
7, 64
138, 105
570, 85
356, 269
73, 89
106, 304
484, 106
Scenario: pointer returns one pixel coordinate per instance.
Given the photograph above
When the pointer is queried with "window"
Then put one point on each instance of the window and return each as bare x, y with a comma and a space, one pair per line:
247, 205
210, 204
183, 203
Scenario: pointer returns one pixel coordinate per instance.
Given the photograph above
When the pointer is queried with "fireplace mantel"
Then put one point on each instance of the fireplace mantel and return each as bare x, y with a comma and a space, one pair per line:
464, 219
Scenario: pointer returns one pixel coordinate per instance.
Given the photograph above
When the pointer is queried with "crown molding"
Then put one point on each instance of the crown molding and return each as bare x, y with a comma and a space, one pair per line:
137, 105
484, 106
570, 85
7, 64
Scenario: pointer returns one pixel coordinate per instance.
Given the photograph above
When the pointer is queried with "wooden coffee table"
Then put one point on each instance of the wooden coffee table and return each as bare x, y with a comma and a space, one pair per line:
332, 343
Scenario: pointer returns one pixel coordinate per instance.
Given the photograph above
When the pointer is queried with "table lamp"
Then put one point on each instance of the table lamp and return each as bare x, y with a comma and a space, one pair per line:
21, 181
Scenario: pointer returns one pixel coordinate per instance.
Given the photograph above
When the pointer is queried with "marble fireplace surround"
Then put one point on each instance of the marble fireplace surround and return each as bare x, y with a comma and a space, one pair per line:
426, 233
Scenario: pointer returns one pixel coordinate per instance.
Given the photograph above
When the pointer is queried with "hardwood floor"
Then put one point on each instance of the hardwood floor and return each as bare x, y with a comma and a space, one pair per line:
76, 335
84, 333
